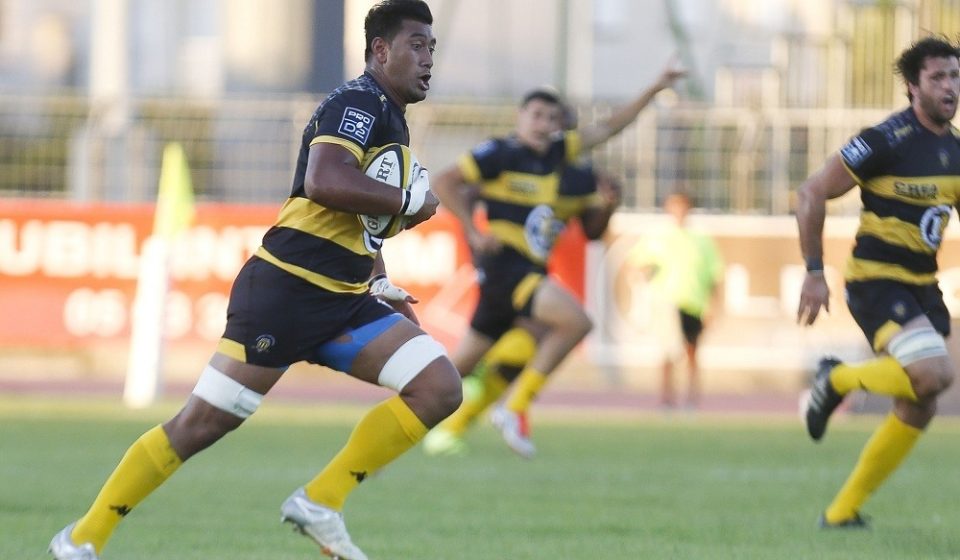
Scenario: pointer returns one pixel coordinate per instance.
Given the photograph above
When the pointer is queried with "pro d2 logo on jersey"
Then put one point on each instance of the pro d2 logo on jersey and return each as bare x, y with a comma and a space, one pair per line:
356, 124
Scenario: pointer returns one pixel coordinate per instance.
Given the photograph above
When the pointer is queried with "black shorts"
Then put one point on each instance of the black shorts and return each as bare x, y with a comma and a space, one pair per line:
507, 283
692, 327
881, 307
280, 319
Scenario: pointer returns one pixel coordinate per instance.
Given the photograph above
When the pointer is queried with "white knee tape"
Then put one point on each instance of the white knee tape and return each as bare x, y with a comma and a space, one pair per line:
409, 360
913, 345
226, 394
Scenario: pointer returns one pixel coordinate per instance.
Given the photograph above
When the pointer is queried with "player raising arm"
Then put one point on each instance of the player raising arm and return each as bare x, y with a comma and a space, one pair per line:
518, 180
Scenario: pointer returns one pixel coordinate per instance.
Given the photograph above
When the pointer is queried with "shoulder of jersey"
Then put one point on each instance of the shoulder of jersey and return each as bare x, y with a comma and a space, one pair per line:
361, 86
955, 132
508, 142
898, 128
365, 84
487, 146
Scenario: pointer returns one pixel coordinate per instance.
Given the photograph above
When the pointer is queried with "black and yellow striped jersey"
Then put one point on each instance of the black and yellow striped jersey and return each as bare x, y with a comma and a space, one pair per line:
909, 184
528, 196
327, 248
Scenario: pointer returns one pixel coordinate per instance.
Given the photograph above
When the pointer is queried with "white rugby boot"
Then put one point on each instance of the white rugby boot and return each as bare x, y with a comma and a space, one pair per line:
322, 524
62, 547
514, 431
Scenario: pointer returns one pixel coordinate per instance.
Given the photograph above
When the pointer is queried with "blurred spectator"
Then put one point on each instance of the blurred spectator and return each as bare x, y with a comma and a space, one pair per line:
684, 270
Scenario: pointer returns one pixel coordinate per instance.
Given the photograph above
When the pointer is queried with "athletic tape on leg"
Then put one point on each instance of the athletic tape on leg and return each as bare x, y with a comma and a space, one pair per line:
911, 346
226, 394
409, 360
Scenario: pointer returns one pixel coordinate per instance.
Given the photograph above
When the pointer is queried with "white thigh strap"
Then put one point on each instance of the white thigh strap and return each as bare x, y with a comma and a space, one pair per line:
226, 394
912, 345
409, 360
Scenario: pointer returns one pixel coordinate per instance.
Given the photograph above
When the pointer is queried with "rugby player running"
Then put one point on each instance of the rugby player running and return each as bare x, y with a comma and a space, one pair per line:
908, 171
517, 180
315, 291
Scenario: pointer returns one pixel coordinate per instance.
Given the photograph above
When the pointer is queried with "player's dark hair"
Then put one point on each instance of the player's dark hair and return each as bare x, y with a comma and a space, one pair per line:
542, 94
911, 60
385, 19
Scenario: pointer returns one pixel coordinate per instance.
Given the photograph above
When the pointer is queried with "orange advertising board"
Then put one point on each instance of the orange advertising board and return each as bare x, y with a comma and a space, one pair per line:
68, 271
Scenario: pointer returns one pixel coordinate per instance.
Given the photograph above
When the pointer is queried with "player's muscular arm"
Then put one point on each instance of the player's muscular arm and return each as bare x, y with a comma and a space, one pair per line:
451, 189
458, 197
599, 133
334, 180
832, 181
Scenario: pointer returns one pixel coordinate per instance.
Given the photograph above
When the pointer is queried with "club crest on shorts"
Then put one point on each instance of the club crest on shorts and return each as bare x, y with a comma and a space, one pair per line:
899, 310
264, 343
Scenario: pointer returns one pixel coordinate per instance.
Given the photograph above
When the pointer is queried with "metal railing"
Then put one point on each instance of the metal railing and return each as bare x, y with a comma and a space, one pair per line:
733, 160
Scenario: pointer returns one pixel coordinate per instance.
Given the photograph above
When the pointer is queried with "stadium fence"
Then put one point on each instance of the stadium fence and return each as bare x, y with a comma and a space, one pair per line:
733, 160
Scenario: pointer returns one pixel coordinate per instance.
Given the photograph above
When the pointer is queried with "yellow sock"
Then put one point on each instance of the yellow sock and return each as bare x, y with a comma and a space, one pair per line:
146, 465
493, 386
385, 433
883, 376
513, 350
882, 454
529, 385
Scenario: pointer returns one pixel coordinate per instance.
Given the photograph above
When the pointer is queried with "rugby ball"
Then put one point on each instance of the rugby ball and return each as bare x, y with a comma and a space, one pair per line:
395, 165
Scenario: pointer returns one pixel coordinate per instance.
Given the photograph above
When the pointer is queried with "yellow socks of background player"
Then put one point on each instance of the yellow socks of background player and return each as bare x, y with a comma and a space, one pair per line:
385, 433
514, 349
883, 376
146, 465
882, 454
528, 386
493, 385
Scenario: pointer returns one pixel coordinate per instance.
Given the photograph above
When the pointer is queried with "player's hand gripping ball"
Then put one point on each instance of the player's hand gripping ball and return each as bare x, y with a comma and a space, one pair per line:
395, 165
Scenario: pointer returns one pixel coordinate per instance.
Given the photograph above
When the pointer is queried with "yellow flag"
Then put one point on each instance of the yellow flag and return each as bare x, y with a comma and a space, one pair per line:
174, 212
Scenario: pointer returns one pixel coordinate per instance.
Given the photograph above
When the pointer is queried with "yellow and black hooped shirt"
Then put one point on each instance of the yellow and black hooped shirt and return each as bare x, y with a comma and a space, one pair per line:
527, 203
909, 184
327, 248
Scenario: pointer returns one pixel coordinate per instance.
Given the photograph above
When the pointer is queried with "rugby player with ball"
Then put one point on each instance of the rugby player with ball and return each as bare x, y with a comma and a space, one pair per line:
316, 291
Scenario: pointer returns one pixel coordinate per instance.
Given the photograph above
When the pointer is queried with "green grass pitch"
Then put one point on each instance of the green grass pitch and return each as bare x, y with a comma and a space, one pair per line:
706, 487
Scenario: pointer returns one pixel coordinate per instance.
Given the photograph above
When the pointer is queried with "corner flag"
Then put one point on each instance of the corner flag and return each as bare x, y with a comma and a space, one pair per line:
173, 215
174, 212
